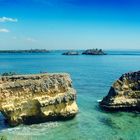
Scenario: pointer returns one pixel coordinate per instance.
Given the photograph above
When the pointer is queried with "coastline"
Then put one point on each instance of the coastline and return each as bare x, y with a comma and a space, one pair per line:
92, 77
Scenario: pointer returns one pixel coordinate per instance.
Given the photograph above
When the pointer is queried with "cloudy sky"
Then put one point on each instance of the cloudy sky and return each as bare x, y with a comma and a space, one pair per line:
70, 24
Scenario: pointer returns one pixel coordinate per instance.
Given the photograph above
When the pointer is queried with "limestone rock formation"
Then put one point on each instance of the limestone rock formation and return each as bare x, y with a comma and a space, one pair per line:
94, 52
38, 98
124, 93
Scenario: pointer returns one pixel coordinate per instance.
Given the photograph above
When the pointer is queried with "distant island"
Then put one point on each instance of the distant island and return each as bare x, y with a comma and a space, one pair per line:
25, 51
86, 52
94, 52
70, 53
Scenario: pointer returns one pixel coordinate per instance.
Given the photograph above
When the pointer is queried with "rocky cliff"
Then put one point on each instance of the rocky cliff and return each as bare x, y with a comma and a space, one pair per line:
37, 98
124, 93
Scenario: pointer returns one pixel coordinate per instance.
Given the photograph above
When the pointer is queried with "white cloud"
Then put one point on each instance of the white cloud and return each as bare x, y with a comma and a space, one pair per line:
31, 39
7, 19
4, 30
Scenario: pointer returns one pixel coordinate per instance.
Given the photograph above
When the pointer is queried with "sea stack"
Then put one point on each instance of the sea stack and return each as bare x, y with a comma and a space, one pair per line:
27, 99
124, 94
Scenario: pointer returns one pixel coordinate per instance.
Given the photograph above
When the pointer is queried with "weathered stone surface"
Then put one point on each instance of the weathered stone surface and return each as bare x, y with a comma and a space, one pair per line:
94, 52
37, 98
124, 93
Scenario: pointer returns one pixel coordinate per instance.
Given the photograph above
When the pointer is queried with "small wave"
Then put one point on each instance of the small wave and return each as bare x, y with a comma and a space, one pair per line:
99, 101
35, 129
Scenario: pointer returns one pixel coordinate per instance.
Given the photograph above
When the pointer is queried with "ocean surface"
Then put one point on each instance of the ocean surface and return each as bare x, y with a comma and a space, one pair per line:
92, 77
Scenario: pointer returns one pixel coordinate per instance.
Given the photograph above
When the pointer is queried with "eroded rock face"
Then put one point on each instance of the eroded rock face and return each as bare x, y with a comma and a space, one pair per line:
37, 98
124, 93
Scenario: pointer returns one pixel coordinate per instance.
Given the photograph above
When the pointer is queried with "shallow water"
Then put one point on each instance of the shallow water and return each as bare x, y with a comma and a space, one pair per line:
92, 77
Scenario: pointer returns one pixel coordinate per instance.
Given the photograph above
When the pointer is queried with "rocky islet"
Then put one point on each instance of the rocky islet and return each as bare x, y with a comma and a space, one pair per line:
27, 99
94, 52
124, 94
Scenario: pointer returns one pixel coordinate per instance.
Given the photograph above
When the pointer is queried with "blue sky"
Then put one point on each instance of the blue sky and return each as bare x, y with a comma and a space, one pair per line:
70, 24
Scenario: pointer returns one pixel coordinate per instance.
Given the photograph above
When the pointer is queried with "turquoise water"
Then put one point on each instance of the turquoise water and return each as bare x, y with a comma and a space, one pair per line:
92, 77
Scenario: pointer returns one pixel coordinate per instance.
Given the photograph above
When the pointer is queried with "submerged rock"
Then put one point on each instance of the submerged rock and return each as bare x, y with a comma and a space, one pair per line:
38, 98
94, 52
70, 53
124, 93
